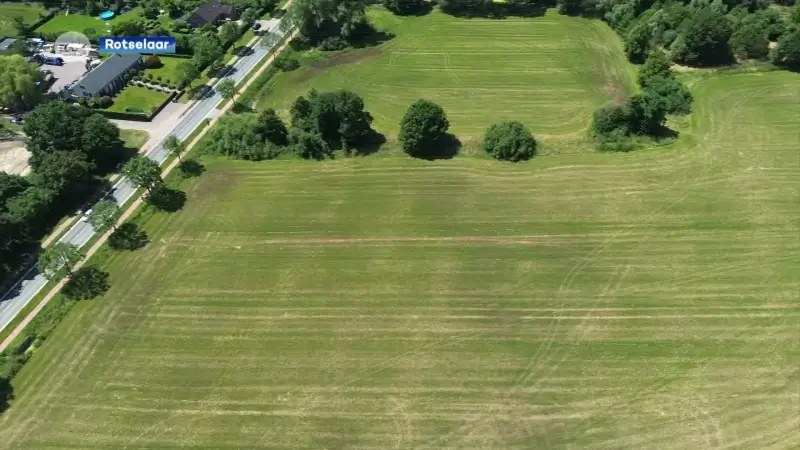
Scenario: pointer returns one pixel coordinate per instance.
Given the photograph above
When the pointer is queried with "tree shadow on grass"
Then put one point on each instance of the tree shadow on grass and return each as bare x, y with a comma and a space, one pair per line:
128, 237
664, 133
190, 168
370, 145
371, 38
239, 108
446, 148
167, 199
6, 394
424, 9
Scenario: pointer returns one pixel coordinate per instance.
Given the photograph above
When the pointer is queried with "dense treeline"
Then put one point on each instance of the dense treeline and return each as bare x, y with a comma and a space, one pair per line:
71, 149
701, 33
320, 123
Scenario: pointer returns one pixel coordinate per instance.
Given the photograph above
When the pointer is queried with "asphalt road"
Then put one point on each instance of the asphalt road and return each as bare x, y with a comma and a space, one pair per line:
32, 282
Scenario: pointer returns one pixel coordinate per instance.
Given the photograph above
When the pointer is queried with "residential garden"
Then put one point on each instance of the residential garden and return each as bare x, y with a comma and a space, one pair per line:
15, 18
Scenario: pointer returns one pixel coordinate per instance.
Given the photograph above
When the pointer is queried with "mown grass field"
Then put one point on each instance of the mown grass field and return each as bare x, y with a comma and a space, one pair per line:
646, 300
135, 99
549, 72
29, 12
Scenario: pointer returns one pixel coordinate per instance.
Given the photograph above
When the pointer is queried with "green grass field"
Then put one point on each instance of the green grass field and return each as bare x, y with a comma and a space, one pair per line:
142, 99
30, 13
168, 68
549, 72
601, 301
80, 23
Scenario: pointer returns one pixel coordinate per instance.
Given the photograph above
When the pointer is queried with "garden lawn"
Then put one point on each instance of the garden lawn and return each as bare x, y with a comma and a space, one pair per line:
593, 301
79, 22
134, 138
549, 72
168, 68
142, 99
29, 12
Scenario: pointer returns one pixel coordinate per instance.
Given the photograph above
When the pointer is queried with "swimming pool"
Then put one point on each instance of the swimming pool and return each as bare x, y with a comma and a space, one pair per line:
105, 15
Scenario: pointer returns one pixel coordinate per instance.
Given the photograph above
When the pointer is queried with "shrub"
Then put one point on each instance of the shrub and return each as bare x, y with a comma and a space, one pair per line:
422, 128
611, 119
153, 62
147, 76
83, 102
509, 141
134, 110
332, 43
105, 102
157, 78
286, 64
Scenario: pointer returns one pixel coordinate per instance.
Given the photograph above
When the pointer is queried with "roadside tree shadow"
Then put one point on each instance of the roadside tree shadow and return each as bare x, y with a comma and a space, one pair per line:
239, 108
128, 236
6, 394
167, 199
190, 168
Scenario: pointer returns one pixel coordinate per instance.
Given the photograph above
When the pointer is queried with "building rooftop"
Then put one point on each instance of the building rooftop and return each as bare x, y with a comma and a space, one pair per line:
105, 73
210, 11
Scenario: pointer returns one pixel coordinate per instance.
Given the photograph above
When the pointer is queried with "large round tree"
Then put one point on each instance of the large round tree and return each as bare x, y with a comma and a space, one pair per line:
509, 141
423, 128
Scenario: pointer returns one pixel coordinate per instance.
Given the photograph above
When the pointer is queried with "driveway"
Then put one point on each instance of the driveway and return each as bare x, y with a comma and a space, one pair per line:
72, 70
159, 127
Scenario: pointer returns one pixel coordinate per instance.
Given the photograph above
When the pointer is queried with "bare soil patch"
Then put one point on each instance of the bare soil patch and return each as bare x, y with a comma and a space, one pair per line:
14, 157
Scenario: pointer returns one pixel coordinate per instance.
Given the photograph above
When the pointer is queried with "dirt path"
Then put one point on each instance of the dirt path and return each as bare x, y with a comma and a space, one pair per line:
138, 202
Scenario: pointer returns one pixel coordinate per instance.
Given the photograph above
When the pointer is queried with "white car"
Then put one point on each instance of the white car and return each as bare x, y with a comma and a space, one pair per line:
86, 215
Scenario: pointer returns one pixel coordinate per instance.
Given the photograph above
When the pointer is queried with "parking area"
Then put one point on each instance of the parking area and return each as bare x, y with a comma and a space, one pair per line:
74, 67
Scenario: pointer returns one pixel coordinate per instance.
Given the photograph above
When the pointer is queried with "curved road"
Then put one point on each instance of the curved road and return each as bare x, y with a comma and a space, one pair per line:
32, 282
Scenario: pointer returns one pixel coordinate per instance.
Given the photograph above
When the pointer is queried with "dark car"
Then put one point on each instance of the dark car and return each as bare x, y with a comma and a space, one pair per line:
279, 13
256, 26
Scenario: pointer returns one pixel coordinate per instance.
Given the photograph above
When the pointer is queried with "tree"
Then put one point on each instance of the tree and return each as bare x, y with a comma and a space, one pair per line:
101, 141
404, 7
611, 119
64, 171
238, 136
637, 43
186, 72
320, 19
422, 128
228, 33
227, 88
310, 145
143, 172
104, 215
788, 51
57, 256
207, 49
19, 25
55, 126
18, 89
704, 39
175, 146
750, 41
656, 64
646, 113
509, 141
128, 28
272, 127
338, 117
677, 99
86, 283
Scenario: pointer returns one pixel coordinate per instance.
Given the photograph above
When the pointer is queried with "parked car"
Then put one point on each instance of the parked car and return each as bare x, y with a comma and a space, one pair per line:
256, 26
85, 217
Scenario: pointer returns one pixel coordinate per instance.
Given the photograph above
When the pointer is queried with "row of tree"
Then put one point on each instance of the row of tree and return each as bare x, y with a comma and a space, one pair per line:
71, 149
644, 113
424, 134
